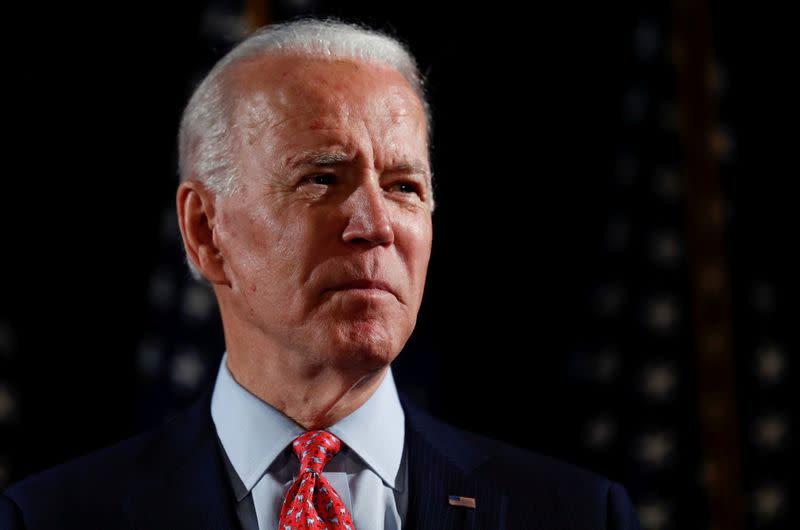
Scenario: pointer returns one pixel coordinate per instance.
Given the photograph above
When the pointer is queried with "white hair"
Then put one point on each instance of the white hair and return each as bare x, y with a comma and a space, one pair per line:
206, 143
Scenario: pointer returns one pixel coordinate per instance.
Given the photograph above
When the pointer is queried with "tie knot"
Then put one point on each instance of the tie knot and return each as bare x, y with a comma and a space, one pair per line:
315, 449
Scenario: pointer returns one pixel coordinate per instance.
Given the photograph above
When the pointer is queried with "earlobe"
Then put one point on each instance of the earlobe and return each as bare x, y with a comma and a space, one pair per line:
196, 218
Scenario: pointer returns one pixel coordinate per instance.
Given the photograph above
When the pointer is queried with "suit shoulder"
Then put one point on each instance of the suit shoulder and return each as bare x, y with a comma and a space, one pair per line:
93, 467
92, 483
540, 483
506, 459
104, 466
535, 483
497, 458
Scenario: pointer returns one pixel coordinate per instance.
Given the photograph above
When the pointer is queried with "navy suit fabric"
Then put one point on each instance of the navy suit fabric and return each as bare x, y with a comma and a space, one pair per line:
173, 478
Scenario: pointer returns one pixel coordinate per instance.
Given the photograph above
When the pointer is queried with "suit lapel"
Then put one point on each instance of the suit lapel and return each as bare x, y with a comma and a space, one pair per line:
442, 463
183, 484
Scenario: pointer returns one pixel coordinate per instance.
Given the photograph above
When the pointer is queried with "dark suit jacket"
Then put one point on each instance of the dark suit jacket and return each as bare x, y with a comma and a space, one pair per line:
173, 478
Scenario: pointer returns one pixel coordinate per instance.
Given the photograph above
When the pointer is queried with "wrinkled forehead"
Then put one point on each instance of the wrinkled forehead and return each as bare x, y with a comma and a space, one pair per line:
271, 89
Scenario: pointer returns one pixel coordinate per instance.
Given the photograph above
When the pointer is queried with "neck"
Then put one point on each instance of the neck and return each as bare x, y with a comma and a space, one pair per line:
314, 395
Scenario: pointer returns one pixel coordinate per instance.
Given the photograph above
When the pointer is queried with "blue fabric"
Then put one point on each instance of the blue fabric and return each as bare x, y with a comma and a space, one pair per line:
367, 472
174, 478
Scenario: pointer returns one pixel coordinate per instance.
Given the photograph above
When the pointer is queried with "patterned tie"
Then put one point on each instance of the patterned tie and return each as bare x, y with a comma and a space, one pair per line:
311, 503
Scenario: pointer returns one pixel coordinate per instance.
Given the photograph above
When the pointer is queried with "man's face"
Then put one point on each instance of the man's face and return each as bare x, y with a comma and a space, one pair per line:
336, 188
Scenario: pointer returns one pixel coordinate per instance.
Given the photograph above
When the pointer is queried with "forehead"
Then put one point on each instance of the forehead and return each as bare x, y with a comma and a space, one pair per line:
294, 91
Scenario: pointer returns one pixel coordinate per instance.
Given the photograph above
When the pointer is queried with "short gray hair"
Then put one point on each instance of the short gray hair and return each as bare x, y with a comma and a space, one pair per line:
206, 143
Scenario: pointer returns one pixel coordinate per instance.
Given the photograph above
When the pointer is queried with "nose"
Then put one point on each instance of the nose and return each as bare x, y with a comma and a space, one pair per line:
368, 221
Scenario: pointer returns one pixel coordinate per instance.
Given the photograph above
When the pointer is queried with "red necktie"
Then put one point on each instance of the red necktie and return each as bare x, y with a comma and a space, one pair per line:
311, 503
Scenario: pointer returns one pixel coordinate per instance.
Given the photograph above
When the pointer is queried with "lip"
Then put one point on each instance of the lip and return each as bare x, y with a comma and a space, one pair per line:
364, 284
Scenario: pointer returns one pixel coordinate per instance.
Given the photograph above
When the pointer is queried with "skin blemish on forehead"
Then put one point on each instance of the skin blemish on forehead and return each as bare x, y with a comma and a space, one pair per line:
316, 124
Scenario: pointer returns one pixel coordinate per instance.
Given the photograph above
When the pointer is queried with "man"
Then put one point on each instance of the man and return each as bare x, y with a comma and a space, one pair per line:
306, 201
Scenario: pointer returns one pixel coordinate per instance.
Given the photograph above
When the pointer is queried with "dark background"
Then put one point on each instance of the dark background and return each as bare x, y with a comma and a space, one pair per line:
559, 236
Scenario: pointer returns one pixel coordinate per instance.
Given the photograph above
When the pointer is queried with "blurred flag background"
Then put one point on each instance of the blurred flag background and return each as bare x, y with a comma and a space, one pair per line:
611, 243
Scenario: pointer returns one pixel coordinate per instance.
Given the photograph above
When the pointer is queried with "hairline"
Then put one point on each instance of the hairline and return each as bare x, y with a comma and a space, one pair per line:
313, 38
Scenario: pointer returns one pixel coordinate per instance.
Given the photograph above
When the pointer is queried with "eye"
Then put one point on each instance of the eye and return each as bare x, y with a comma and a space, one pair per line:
408, 187
324, 179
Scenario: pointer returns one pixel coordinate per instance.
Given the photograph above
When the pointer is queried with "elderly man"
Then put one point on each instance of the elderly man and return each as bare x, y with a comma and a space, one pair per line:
305, 201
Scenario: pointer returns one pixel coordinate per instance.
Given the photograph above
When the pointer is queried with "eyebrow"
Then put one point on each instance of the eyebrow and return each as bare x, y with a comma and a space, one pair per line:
336, 158
414, 167
320, 159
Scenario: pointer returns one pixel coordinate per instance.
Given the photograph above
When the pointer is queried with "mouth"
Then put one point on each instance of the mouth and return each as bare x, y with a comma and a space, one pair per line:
365, 287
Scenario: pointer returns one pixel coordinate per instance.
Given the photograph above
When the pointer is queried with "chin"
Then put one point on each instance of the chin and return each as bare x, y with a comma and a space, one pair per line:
366, 344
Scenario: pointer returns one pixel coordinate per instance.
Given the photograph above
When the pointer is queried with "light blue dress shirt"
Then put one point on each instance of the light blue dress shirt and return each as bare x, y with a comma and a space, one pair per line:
370, 472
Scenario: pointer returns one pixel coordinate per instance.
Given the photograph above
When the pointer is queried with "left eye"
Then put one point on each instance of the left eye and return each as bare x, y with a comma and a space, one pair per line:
323, 178
407, 187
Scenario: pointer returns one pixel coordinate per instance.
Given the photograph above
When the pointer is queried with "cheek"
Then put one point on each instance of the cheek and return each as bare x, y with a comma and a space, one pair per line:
261, 249
292, 246
415, 238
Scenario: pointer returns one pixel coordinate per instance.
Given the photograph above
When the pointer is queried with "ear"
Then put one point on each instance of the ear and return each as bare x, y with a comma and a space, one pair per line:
196, 217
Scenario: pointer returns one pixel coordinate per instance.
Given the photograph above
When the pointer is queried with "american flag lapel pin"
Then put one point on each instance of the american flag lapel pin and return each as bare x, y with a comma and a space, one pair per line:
457, 500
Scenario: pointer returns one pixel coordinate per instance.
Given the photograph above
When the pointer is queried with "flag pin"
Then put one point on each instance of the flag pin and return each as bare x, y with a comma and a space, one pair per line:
457, 500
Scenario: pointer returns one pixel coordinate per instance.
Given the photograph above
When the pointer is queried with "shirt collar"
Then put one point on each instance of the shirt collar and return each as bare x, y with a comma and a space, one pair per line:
253, 433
